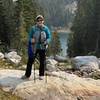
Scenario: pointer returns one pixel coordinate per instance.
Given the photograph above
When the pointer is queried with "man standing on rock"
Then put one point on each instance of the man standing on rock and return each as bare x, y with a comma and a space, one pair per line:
39, 38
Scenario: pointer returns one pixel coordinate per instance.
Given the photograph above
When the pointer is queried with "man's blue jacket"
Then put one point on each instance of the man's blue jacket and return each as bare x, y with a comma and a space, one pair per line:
35, 32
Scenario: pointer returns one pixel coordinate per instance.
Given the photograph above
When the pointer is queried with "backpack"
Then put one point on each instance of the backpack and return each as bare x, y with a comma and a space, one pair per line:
42, 38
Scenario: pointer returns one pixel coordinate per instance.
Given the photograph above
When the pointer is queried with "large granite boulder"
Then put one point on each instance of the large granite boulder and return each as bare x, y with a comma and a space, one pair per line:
1, 55
85, 63
13, 57
61, 58
59, 86
51, 64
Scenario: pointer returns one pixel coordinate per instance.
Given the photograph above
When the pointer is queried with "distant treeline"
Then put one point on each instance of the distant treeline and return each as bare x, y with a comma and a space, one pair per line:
56, 12
85, 36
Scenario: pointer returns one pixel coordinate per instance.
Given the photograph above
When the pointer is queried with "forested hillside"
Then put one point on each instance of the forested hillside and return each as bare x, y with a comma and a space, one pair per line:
85, 38
58, 13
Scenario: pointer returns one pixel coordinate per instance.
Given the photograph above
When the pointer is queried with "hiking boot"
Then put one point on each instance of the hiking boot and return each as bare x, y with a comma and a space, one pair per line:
24, 77
41, 77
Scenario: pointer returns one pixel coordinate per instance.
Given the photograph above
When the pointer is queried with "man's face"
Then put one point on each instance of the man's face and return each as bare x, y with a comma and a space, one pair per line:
40, 22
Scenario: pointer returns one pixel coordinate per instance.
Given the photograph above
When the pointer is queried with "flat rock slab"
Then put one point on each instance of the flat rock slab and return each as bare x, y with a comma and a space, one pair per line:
59, 86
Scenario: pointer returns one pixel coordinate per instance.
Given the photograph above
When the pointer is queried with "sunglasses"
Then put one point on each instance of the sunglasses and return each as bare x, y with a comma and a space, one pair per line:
39, 20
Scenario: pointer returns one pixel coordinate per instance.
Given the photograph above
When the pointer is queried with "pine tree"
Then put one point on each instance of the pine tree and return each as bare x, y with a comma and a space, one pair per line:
84, 36
2, 26
26, 12
97, 26
7, 23
55, 44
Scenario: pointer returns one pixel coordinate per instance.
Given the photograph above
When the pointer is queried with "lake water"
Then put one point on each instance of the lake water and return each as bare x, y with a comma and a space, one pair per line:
63, 40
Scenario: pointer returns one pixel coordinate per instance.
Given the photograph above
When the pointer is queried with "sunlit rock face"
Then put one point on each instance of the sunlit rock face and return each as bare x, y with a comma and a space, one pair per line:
56, 86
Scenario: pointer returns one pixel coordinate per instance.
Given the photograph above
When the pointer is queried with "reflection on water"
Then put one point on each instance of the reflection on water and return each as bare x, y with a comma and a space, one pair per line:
63, 40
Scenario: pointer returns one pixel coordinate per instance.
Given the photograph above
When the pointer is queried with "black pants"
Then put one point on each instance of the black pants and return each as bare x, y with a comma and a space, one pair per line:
42, 60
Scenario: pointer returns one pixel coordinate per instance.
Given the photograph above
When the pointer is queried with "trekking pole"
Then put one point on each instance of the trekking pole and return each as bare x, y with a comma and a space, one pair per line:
45, 71
34, 72
34, 50
34, 64
46, 77
45, 68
